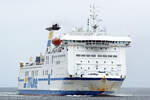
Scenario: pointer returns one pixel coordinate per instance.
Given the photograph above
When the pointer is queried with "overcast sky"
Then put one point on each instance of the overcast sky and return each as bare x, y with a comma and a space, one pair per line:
23, 34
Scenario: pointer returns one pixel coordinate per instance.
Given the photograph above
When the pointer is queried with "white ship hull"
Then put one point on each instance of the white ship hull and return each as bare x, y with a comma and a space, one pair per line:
70, 86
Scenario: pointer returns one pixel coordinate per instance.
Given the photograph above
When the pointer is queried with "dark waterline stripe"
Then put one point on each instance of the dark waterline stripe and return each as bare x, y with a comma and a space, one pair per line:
55, 79
47, 92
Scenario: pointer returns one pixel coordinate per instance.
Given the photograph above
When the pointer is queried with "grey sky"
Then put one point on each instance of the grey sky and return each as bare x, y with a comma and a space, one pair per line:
22, 34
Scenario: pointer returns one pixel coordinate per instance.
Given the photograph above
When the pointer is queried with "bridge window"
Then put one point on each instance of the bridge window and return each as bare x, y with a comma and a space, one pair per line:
104, 55
99, 55
109, 55
88, 55
115, 56
78, 55
83, 55
93, 55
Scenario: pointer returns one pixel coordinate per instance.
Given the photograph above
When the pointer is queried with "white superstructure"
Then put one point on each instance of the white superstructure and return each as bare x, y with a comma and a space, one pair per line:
79, 63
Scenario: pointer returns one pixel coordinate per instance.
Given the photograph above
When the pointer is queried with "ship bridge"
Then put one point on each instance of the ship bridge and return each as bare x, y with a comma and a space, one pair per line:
96, 56
102, 38
97, 40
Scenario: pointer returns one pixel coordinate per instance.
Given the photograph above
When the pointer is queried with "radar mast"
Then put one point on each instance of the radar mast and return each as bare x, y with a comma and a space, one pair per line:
94, 22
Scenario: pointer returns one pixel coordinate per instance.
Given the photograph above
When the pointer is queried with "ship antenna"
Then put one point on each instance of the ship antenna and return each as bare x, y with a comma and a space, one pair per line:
93, 24
88, 24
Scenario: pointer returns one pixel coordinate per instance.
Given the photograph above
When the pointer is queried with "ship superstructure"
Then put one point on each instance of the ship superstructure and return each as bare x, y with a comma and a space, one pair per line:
79, 63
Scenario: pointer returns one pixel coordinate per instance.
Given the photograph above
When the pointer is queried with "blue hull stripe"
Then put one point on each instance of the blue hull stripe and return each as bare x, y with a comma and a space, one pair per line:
55, 79
48, 92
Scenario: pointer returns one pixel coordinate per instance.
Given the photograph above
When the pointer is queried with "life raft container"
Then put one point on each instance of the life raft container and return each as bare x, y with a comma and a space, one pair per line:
56, 41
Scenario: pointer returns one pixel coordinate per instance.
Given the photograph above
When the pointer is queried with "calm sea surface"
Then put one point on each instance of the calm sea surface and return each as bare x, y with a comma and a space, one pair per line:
122, 94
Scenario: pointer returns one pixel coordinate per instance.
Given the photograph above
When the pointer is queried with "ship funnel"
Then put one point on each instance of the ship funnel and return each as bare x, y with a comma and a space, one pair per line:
54, 27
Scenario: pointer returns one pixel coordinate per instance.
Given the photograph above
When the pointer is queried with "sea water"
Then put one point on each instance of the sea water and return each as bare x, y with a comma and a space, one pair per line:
122, 94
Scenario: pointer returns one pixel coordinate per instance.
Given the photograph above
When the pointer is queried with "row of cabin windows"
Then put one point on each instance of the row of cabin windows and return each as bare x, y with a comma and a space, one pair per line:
97, 48
92, 68
97, 61
35, 73
95, 41
95, 68
58, 56
90, 48
88, 55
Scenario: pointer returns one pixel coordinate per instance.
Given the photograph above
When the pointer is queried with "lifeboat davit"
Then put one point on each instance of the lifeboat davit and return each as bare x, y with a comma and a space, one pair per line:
56, 41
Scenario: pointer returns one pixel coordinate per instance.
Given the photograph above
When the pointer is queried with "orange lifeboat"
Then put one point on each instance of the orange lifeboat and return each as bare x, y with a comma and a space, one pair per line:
56, 41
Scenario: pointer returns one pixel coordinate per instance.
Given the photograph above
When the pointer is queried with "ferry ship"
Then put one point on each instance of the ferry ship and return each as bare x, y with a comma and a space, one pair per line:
76, 63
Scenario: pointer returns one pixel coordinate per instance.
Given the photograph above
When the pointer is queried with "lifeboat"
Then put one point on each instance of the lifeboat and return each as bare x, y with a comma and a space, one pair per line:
56, 41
